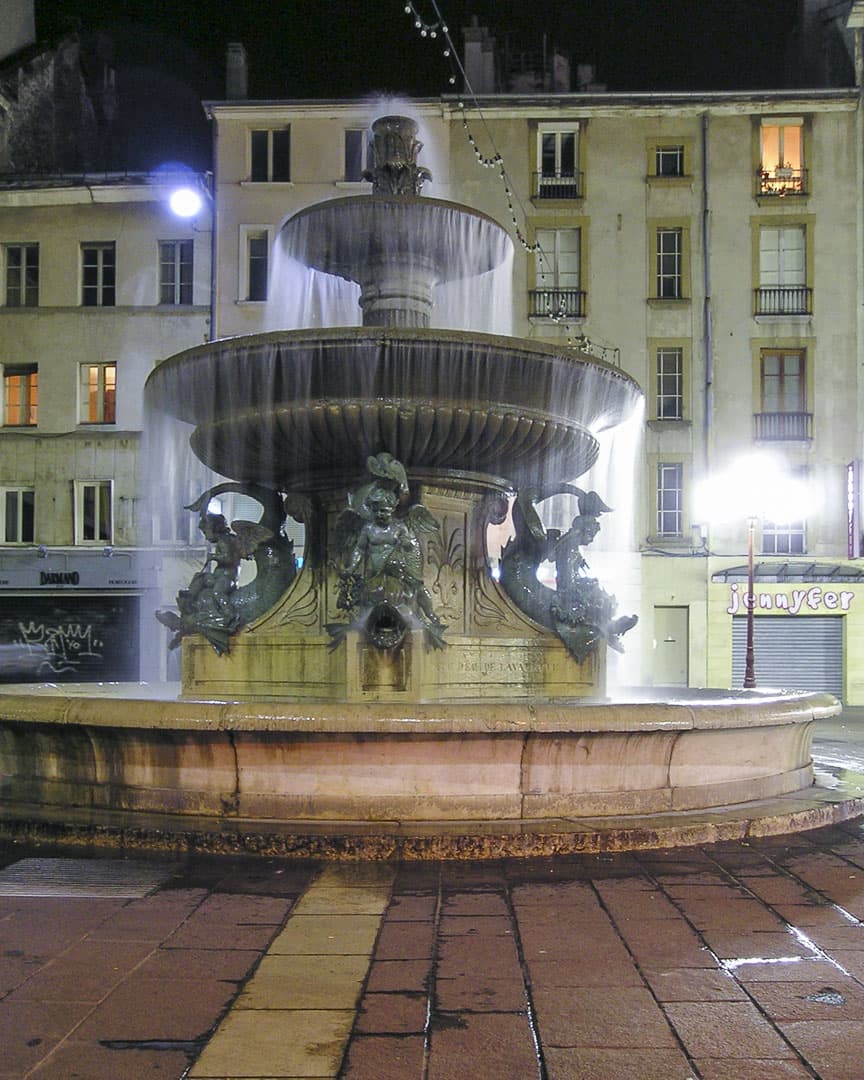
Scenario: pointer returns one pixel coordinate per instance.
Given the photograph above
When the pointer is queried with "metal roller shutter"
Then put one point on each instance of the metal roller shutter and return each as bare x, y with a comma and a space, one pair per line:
792, 652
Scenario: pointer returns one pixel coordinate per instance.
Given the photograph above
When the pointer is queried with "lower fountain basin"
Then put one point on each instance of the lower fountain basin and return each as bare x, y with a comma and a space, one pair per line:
266, 766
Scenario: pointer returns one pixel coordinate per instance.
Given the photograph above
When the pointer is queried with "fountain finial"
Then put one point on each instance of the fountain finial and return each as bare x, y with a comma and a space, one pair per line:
395, 147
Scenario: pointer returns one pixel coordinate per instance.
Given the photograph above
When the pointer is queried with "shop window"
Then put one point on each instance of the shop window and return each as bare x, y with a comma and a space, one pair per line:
20, 395
98, 393
17, 506
175, 272
22, 275
98, 275
94, 515
270, 155
670, 499
558, 273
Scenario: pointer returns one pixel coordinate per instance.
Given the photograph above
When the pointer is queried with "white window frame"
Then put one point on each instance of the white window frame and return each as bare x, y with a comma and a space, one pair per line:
669, 150
100, 247
27, 294
363, 133
248, 233
19, 537
663, 376
28, 406
784, 537
550, 132
269, 132
676, 254
99, 491
674, 470
171, 255
87, 397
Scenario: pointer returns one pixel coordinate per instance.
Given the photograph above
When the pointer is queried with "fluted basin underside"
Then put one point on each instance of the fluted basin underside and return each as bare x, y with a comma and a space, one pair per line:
348, 236
290, 404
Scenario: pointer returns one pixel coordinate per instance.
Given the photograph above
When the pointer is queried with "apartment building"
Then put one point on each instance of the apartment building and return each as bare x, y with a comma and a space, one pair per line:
101, 280
710, 244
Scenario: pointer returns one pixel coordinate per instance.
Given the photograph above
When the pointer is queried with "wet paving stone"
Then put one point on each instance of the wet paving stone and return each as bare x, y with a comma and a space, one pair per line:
728, 962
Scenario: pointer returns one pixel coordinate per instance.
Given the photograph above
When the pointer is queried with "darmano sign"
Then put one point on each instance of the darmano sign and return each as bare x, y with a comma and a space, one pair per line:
59, 577
794, 602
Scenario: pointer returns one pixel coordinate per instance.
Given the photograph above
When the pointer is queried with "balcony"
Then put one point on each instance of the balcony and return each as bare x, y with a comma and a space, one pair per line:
557, 187
783, 300
783, 426
782, 181
556, 303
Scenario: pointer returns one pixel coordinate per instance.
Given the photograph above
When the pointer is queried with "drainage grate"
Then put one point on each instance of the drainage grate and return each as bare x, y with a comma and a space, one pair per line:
116, 878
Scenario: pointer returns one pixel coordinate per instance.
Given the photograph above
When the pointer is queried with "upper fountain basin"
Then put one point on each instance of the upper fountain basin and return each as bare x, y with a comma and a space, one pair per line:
397, 248
288, 406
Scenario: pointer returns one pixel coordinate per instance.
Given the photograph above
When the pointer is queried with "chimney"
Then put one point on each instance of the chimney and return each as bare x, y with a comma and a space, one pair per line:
236, 72
479, 58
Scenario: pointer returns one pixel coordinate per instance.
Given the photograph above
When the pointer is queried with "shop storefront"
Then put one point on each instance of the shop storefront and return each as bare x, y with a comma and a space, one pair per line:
73, 616
808, 628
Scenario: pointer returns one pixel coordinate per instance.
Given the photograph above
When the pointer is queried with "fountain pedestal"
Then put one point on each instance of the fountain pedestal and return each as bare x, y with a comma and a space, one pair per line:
493, 651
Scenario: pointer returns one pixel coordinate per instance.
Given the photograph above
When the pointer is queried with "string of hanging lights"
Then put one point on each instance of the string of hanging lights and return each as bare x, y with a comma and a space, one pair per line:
432, 30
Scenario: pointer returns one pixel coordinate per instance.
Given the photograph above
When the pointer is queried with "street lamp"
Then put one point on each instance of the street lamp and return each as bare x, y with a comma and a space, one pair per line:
755, 486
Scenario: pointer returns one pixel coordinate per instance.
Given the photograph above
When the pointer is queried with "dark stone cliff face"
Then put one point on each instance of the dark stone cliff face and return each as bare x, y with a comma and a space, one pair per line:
51, 122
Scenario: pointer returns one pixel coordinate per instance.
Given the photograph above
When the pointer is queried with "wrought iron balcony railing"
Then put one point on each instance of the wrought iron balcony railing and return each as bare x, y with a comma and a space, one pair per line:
556, 303
782, 181
783, 300
558, 186
784, 426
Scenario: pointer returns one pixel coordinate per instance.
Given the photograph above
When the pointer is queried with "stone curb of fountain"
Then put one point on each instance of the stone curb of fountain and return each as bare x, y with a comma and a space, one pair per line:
812, 808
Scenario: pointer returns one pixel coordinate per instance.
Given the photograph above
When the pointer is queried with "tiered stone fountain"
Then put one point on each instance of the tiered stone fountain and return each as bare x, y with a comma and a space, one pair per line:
393, 695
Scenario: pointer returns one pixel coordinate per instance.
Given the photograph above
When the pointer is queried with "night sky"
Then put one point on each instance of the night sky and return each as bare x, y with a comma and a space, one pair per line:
348, 48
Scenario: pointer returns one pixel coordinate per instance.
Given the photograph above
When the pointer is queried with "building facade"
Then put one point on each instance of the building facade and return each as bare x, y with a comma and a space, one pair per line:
711, 245
100, 282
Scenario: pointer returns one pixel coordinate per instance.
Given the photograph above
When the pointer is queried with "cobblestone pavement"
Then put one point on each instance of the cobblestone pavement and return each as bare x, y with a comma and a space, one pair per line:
727, 962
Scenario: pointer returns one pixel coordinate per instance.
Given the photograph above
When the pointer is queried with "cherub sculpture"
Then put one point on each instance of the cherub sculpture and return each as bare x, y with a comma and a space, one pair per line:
381, 577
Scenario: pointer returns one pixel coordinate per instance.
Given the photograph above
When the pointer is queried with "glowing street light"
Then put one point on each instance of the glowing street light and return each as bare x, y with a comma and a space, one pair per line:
185, 202
756, 485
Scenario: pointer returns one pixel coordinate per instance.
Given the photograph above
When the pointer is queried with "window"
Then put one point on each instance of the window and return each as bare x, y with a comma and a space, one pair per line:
17, 507
670, 264
784, 537
270, 155
22, 275
356, 148
98, 394
557, 274
257, 265
781, 151
175, 272
93, 512
558, 175
783, 286
670, 383
670, 500
783, 391
669, 161
98, 275
20, 394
